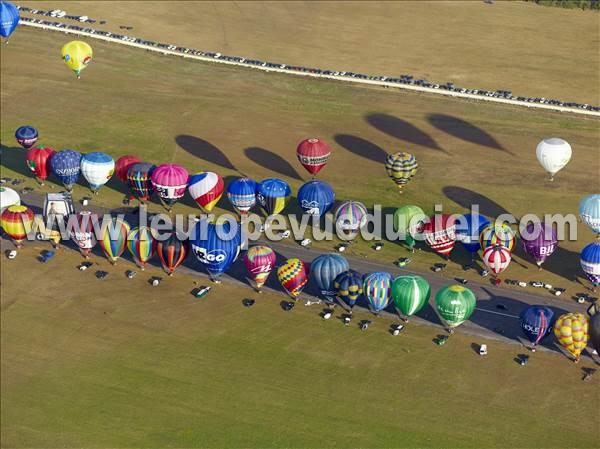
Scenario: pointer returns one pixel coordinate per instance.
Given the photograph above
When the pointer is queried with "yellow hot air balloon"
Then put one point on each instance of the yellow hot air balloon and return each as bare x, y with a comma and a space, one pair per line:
77, 55
571, 331
401, 167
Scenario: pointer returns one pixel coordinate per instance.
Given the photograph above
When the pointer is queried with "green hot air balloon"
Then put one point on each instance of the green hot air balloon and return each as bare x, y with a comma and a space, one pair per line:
410, 294
455, 305
408, 220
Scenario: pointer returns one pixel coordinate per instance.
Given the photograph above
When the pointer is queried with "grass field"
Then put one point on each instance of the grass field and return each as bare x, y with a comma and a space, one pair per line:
117, 363
507, 45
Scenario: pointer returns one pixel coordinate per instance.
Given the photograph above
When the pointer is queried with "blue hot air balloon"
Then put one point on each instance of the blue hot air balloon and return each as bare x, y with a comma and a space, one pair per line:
589, 212
216, 245
377, 290
9, 19
468, 230
316, 197
536, 322
590, 262
324, 269
66, 165
26, 136
242, 194
273, 194
349, 286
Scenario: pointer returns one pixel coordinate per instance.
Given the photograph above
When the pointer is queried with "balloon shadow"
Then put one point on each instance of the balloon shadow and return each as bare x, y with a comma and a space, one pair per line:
204, 150
271, 161
402, 130
466, 198
464, 130
361, 147
13, 158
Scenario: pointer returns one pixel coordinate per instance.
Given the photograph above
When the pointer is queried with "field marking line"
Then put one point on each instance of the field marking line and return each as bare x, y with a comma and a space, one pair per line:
165, 51
496, 313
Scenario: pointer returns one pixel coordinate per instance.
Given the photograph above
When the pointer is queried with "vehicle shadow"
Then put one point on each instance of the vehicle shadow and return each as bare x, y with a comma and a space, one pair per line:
272, 161
204, 150
402, 130
361, 147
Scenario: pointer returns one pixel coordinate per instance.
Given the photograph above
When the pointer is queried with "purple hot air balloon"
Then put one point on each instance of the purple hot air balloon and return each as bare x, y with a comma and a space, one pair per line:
170, 183
539, 241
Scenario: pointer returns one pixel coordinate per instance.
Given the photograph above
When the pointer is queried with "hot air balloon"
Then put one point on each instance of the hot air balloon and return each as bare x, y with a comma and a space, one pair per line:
123, 165
350, 218
26, 136
553, 154
83, 232
536, 323
571, 331
77, 55
97, 168
170, 182
8, 197
594, 330
259, 261
206, 189
468, 230
349, 287
455, 305
17, 222
242, 195
324, 269
589, 212
172, 252
408, 222
410, 294
496, 258
539, 242
497, 235
273, 194
38, 161
113, 238
316, 197
139, 180
376, 288
440, 234
9, 19
293, 277
590, 263
313, 154
141, 244
66, 165
216, 246
401, 167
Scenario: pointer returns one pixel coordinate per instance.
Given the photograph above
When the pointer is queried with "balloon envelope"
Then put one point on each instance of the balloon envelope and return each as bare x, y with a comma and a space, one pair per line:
123, 165
316, 197
97, 168
141, 244
273, 195
169, 182
376, 288
440, 233
590, 262
497, 235
206, 189
553, 154
496, 258
324, 269
571, 331
539, 241
113, 238
38, 161
349, 286
26, 136
242, 194
17, 222
408, 222
455, 304
217, 245
9, 18
139, 180
468, 230
66, 166
589, 212
313, 154
536, 322
350, 218
401, 167
410, 294
172, 252
77, 55
83, 231
8, 197
259, 260
293, 276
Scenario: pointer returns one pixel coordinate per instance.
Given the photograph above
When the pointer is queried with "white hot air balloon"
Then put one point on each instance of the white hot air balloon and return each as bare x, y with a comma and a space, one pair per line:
97, 169
553, 154
8, 197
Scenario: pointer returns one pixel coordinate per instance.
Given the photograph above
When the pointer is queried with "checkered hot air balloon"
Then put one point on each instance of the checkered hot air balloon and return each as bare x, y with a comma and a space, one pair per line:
497, 235
496, 258
206, 189
313, 154
17, 222
401, 167
571, 331
293, 276
440, 234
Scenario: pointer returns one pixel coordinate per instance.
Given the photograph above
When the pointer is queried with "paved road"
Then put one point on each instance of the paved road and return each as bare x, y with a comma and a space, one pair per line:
497, 311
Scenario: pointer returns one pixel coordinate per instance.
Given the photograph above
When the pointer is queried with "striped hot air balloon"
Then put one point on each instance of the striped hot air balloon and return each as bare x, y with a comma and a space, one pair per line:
242, 195
571, 331
17, 222
350, 217
172, 252
206, 189
169, 182
141, 244
497, 235
401, 167
440, 234
259, 261
293, 276
349, 286
139, 180
313, 154
113, 238
83, 232
377, 290
496, 258
410, 294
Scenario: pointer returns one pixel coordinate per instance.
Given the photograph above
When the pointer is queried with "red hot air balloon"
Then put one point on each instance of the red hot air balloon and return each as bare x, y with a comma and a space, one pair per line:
38, 161
440, 234
313, 154
172, 252
496, 258
123, 165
